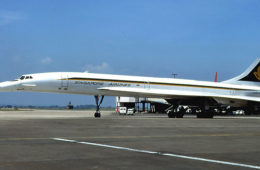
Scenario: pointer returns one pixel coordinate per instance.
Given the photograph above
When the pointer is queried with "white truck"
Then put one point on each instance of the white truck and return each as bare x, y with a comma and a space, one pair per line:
122, 110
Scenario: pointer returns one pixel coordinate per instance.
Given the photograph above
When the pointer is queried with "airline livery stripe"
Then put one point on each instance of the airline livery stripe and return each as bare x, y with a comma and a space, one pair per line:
153, 83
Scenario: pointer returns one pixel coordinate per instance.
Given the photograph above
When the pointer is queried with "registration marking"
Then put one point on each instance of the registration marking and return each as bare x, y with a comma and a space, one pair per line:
160, 153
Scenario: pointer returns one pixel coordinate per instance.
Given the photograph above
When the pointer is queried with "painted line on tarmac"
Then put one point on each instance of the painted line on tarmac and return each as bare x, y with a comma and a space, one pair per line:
160, 153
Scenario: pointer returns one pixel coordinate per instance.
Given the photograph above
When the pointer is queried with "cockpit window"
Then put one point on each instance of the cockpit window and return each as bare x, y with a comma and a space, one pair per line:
26, 77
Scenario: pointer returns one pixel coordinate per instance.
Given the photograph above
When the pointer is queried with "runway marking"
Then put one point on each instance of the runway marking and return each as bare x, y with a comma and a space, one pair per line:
160, 153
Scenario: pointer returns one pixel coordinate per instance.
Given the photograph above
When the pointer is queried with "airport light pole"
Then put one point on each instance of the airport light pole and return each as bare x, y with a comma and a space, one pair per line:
174, 75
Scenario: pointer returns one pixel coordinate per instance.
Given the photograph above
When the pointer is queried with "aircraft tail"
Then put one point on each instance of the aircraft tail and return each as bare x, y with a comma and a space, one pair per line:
250, 77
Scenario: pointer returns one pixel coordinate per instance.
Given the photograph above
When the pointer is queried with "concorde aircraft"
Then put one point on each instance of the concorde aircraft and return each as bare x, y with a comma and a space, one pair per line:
242, 91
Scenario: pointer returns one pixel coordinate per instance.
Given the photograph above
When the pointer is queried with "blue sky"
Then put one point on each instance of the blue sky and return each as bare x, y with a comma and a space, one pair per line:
138, 37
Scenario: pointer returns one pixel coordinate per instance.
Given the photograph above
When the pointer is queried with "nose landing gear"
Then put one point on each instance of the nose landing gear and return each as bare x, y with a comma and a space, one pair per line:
98, 103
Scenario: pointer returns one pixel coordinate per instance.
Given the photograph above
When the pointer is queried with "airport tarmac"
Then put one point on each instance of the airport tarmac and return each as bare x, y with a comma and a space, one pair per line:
47, 139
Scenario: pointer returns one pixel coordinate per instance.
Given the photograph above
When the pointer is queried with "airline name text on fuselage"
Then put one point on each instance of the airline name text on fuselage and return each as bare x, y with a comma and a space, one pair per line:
93, 83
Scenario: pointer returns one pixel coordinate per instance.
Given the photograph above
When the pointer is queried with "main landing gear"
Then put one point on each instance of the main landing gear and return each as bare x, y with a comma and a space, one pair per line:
206, 112
98, 103
177, 112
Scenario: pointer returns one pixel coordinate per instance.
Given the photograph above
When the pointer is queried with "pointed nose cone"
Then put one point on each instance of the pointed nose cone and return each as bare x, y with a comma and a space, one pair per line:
8, 86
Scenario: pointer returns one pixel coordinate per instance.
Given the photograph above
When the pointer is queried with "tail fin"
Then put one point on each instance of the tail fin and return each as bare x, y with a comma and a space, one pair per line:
250, 77
216, 77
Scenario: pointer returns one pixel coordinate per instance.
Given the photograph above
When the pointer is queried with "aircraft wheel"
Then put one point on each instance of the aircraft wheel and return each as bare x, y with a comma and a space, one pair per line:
249, 111
200, 115
210, 115
97, 114
205, 115
179, 115
171, 114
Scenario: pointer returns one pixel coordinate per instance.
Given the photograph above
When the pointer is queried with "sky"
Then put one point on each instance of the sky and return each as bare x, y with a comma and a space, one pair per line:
155, 38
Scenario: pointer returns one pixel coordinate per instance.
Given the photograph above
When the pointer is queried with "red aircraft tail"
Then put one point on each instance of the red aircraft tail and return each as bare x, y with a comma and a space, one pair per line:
216, 77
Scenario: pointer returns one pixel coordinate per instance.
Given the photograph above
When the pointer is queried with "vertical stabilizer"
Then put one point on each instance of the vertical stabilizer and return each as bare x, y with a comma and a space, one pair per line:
216, 77
250, 77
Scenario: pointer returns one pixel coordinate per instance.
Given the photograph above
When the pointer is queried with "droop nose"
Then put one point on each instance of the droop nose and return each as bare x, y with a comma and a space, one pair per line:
8, 86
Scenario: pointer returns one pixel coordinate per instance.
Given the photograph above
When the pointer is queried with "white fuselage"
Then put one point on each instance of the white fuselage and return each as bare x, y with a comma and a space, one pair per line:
94, 84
